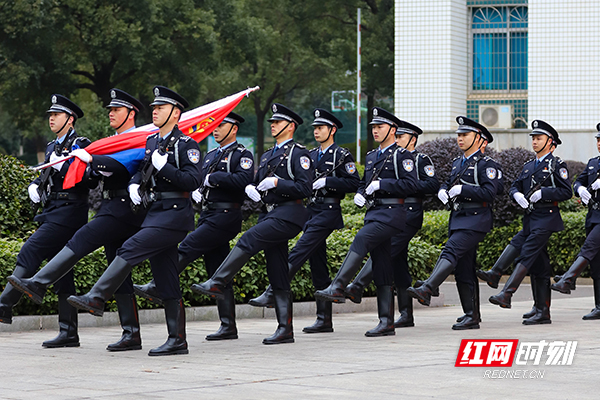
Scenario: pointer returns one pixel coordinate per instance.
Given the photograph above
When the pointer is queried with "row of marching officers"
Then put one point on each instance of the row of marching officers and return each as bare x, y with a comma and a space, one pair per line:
172, 170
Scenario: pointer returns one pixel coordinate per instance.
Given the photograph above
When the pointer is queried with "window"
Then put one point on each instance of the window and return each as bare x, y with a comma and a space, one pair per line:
499, 48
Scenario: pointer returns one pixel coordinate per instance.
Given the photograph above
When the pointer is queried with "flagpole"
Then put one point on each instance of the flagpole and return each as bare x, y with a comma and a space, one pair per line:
358, 88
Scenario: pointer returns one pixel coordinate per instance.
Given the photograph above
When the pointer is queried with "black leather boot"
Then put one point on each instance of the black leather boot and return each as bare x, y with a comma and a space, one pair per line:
532, 312
595, 313
434, 293
385, 309
215, 286
94, 300
226, 308
149, 291
557, 279
405, 307
67, 325
324, 321
492, 277
335, 292
423, 294
503, 298
36, 286
283, 310
542, 303
176, 342
10, 296
354, 291
567, 281
266, 299
470, 304
130, 322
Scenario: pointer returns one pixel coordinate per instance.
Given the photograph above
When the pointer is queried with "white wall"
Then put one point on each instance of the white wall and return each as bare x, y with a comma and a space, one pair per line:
431, 62
564, 63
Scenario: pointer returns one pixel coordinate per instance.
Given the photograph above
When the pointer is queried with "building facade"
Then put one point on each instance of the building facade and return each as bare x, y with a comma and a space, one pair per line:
503, 63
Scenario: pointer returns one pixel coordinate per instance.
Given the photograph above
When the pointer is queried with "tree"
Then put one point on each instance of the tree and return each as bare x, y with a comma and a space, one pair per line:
97, 45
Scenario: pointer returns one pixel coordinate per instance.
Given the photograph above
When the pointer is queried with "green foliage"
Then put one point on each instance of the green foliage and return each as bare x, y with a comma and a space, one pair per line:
15, 211
435, 227
564, 246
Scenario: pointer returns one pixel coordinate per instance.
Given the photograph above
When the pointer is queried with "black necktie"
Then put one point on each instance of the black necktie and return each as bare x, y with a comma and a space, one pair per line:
320, 155
378, 153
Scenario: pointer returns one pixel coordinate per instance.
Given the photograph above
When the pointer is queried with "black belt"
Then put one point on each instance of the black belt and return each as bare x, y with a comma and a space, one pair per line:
326, 200
219, 205
413, 200
463, 206
111, 194
380, 202
171, 195
67, 196
271, 207
545, 205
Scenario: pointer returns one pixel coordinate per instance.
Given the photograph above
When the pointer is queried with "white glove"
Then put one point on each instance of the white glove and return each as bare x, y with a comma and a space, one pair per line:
82, 155
267, 183
54, 157
443, 196
373, 187
107, 174
319, 183
455, 191
596, 184
521, 200
359, 200
252, 193
584, 194
33, 194
197, 196
134, 194
206, 182
536, 196
159, 161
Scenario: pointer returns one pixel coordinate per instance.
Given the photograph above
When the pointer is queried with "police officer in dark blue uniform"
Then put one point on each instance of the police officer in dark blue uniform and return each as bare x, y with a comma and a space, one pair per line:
470, 191
63, 213
586, 186
390, 177
114, 223
335, 176
226, 172
542, 184
168, 173
284, 178
406, 136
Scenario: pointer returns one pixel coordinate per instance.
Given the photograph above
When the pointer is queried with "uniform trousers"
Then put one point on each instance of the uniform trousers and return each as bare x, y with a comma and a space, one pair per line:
271, 235
107, 231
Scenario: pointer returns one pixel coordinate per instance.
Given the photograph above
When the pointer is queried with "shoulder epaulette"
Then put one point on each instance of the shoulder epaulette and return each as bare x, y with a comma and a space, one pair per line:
82, 138
299, 145
315, 149
456, 158
241, 147
369, 152
50, 142
185, 138
152, 134
528, 161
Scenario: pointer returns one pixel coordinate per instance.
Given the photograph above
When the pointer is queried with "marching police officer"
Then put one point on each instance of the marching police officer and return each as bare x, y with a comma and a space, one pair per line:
335, 175
406, 136
586, 186
390, 176
284, 177
114, 223
63, 213
226, 172
542, 184
167, 175
470, 191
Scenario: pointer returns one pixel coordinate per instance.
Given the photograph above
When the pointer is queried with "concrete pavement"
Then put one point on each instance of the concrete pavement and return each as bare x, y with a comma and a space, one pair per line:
417, 363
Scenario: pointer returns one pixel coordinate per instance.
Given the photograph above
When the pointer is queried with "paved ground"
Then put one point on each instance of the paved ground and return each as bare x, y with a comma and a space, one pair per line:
417, 363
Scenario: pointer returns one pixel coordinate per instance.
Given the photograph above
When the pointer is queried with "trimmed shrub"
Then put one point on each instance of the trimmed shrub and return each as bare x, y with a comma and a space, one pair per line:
16, 216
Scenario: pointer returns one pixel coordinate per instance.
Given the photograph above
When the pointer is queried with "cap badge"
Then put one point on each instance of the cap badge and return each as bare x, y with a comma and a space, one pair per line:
461, 121
157, 92
113, 94
274, 108
317, 114
54, 99
375, 112
535, 124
